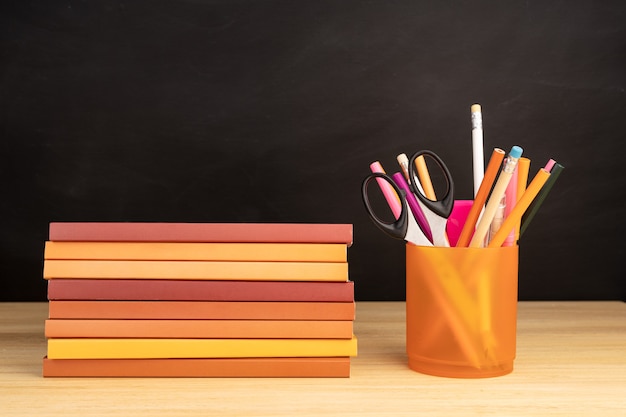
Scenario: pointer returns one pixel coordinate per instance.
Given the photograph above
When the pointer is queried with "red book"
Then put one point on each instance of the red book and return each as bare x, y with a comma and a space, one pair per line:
201, 232
338, 367
198, 290
201, 310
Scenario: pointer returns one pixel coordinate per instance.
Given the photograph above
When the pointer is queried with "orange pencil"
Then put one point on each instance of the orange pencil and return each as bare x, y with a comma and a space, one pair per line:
523, 166
481, 196
520, 208
424, 177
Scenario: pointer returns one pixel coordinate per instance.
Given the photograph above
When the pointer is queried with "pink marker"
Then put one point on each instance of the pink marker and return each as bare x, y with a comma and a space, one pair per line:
390, 194
549, 165
510, 200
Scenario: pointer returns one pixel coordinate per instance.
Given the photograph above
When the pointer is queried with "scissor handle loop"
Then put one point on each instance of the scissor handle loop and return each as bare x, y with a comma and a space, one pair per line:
442, 206
397, 229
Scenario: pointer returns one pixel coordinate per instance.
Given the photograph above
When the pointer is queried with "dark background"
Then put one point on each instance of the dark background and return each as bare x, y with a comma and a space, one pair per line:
271, 111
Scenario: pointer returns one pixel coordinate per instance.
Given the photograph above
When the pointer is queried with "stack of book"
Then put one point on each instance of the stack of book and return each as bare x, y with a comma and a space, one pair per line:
199, 300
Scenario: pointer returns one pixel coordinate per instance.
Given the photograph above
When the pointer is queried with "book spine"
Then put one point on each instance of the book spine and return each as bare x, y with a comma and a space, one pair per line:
199, 329
230, 367
149, 251
198, 348
201, 310
200, 270
185, 290
201, 232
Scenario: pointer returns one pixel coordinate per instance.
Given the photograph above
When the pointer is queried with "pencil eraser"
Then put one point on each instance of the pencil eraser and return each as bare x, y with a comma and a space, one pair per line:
475, 108
516, 152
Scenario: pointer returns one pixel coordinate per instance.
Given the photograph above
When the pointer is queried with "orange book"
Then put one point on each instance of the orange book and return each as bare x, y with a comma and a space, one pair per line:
202, 310
338, 367
198, 270
200, 329
201, 232
159, 251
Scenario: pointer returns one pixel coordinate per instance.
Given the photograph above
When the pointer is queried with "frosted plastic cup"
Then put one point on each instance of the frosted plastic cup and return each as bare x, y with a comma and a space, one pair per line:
461, 310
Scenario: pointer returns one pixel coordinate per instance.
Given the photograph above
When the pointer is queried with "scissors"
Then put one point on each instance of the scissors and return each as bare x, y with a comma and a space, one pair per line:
436, 212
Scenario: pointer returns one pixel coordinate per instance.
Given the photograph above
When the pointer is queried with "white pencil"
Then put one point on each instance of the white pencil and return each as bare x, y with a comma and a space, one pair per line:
477, 146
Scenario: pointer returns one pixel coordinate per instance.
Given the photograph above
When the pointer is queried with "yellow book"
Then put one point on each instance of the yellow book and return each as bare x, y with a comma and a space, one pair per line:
198, 348
165, 251
200, 270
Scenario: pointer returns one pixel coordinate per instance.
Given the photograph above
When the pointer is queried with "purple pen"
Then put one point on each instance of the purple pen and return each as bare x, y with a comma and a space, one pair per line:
413, 205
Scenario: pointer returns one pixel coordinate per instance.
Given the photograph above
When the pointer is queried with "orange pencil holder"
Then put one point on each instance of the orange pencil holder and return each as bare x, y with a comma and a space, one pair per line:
461, 310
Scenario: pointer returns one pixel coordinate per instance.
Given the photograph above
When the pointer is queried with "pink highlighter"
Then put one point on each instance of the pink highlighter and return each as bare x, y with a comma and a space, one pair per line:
390, 195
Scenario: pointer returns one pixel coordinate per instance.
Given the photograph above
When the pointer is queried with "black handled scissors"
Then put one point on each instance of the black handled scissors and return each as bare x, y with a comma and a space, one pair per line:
436, 212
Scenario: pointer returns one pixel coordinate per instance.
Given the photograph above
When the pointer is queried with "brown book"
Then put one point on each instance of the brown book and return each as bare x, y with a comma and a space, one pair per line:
202, 310
201, 232
199, 329
336, 367
184, 290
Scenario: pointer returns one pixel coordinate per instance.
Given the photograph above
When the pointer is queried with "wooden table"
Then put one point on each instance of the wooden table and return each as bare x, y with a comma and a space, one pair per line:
571, 361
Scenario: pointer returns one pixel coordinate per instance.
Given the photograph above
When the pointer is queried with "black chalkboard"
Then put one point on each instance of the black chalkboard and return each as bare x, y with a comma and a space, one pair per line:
271, 111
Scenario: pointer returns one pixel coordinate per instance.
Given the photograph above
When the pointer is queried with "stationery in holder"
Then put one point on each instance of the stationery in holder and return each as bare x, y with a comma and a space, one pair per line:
461, 310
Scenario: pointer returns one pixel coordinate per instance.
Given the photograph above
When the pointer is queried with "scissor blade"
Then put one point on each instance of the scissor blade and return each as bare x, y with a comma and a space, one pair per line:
414, 233
438, 229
